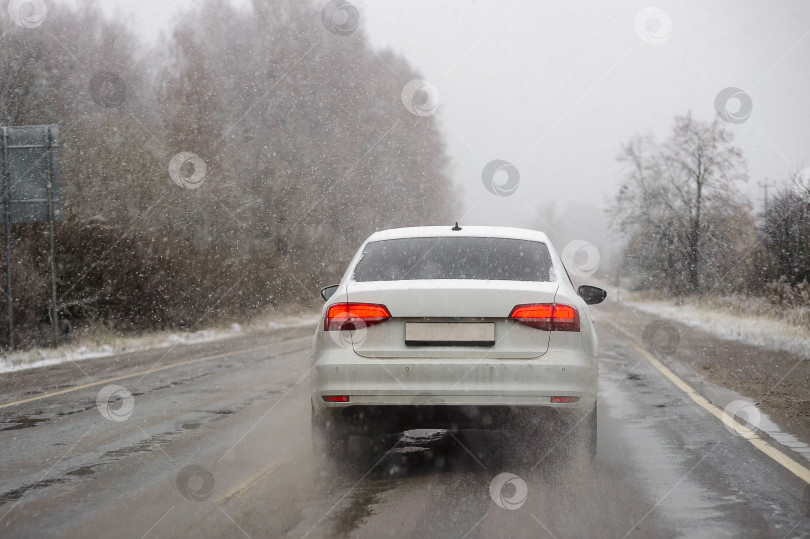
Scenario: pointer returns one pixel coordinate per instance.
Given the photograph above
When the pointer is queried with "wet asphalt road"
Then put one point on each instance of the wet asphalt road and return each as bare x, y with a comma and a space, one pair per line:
217, 444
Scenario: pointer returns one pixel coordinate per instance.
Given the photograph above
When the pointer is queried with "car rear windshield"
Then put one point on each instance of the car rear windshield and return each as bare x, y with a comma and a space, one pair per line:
454, 258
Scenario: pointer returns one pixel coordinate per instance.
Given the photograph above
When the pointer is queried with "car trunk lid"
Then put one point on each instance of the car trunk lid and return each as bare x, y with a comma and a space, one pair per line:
453, 318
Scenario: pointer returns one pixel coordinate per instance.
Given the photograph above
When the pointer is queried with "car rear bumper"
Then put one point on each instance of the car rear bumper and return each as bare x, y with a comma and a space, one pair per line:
455, 382
364, 419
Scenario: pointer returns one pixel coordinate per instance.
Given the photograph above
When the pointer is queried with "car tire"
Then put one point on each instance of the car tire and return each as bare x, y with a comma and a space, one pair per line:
554, 435
589, 434
330, 436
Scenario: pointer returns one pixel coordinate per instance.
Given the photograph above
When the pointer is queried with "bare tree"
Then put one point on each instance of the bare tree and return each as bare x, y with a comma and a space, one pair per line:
801, 184
785, 232
678, 204
307, 148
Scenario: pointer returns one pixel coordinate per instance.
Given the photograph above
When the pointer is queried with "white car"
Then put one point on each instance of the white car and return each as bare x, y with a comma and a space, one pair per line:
452, 327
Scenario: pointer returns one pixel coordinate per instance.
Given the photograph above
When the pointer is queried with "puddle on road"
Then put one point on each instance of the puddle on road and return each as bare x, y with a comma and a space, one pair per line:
355, 509
436, 458
76, 410
415, 451
152, 443
689, 503
16, 494
83, 471
16, 423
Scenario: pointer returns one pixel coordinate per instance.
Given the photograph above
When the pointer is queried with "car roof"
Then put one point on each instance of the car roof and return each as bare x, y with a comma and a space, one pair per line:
468, 231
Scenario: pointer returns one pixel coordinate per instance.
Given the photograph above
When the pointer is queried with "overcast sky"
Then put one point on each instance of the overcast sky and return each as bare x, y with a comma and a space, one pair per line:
554, 87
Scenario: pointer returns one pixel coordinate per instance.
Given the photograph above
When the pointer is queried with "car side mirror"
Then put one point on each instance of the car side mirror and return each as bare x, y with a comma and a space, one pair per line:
591, 294
328, 291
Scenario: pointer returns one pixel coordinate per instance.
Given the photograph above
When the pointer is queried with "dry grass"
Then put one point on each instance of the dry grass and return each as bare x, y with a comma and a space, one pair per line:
781, 301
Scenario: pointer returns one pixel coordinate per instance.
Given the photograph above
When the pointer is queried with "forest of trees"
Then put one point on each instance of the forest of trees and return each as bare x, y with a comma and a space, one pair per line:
296, 144
688, 230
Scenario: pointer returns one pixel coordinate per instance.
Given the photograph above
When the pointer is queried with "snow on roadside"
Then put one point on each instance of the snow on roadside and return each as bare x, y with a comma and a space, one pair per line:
44, 357
765, 332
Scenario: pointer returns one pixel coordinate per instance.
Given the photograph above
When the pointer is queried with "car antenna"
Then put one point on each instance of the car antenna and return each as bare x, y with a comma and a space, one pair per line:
456, 228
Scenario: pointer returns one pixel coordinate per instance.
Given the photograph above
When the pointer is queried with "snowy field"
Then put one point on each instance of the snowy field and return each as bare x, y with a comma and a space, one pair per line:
91, 348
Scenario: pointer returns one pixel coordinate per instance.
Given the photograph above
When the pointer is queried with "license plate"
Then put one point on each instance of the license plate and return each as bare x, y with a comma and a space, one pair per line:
450, 333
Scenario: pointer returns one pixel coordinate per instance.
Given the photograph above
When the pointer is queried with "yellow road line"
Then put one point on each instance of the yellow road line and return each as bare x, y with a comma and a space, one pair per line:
148, 371
785, 461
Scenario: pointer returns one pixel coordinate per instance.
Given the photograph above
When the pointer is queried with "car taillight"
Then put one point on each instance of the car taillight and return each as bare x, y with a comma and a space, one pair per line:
336, 398
547, 316
354, 316
560, 400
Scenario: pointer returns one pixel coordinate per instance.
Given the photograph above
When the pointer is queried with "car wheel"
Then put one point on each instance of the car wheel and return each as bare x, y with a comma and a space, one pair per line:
330, 437
554, 435
589, 433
